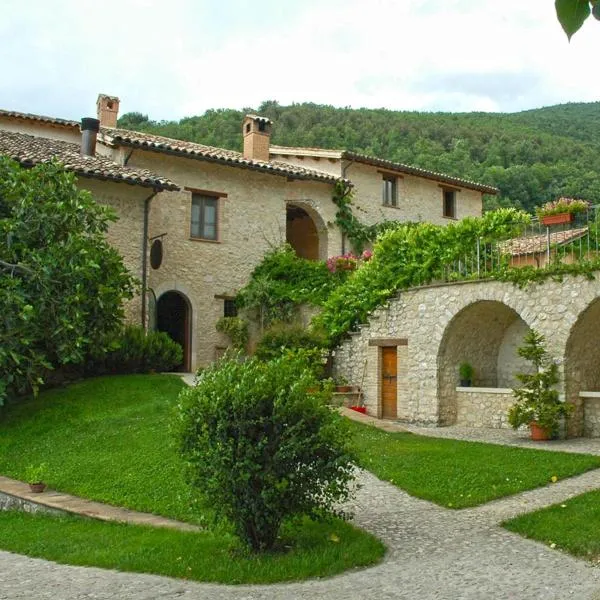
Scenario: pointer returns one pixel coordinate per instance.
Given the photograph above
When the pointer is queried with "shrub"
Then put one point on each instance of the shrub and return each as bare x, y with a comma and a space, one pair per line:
537, 400
236, 329
281, 337
261, 447
135, 351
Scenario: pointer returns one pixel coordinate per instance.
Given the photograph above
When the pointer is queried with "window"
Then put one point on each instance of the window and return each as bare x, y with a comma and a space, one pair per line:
229, 308
389, 190
449, 204
204, 217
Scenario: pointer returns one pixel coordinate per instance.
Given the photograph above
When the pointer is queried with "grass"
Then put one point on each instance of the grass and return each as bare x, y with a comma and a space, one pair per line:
458, 474
573, 526
214, 557
108, 439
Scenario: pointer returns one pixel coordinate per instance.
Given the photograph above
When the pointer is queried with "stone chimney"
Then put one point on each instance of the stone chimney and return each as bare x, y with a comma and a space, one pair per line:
257, 137
108, 110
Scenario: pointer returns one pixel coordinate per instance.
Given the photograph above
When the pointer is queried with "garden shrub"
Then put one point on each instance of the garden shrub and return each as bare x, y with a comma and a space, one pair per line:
261, 448
282, 337
135, 351
236, 329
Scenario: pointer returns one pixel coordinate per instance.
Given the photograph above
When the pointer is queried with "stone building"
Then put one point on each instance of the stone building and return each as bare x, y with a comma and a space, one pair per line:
406, 358
195, 220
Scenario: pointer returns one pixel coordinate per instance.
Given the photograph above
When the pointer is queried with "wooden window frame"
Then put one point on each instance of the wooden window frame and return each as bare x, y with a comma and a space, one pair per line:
393, 179
201, 196
445, 213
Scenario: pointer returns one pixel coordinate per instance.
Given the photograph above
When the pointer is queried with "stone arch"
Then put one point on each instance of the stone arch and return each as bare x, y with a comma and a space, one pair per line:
485, 333
582, 371
175, 315
306, 231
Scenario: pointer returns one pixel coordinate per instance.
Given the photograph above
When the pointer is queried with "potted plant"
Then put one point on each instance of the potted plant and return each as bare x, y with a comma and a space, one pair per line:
35, 474
538, 404
560, 211
466, 372
342, 386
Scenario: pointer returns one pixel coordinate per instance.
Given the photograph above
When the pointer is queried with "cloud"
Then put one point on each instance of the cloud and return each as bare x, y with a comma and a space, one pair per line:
183, 57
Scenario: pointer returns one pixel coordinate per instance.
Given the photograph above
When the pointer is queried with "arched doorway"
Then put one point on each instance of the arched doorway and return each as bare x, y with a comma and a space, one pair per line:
305, 232
582, 372
486, 334
174, 317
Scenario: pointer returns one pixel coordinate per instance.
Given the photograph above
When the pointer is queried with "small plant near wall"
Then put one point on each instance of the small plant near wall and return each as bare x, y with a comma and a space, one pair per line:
35, 476
466, 372
236, 329
538, 404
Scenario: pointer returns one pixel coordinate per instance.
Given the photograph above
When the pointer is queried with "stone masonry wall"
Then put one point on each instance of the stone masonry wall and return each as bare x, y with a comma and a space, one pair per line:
424, 315
252, 220
484, 408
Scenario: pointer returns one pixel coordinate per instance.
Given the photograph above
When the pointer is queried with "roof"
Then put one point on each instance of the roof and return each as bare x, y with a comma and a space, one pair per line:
539, 243
29, 150
39, 118
385, 164
157, 143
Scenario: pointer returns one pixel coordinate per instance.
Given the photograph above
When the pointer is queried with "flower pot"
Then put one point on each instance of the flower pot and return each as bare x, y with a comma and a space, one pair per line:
538, 434
37, 488
558, 219
360, 409
343, 389
465, 383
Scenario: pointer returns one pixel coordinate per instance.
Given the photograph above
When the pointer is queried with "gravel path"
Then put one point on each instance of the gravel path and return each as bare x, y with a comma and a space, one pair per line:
434, 553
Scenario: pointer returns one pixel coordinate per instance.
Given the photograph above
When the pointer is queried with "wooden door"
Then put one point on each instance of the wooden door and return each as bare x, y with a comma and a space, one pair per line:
389, 390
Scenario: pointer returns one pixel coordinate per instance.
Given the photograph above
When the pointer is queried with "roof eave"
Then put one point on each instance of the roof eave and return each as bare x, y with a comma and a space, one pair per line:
417, 172
220, 160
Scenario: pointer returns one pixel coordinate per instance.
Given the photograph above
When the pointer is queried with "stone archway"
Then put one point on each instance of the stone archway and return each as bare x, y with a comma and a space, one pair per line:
174, 317
486, 334
582, 372
305, 231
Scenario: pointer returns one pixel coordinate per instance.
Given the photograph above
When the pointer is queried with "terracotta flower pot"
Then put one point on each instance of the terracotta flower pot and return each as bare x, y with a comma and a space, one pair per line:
343, 389
37, 488
538, 434
558, 219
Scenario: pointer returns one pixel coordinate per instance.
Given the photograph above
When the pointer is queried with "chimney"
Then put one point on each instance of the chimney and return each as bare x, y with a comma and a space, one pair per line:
257, 137
89, 131
108, 110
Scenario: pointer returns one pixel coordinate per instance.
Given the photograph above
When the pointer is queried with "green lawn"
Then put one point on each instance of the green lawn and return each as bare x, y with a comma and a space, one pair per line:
458, 474
573, 525
108, 439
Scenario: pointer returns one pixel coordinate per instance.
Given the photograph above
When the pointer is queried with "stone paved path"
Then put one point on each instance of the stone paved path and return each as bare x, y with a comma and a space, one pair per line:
434, 554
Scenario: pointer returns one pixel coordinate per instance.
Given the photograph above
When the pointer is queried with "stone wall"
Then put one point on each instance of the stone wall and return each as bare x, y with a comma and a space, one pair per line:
483, 407
591, 411
10, 502
252, 220
479, 322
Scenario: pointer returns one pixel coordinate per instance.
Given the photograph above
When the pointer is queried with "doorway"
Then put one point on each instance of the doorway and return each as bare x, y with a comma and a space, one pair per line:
173, 316
389, 382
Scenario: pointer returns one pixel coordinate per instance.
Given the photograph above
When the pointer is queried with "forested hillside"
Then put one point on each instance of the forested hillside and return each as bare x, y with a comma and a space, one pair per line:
532, 156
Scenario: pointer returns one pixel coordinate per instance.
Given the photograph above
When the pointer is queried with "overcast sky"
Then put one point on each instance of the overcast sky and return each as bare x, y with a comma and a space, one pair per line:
176, 58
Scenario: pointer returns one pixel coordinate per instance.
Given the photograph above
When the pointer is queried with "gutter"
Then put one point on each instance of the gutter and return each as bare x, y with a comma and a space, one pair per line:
147, 202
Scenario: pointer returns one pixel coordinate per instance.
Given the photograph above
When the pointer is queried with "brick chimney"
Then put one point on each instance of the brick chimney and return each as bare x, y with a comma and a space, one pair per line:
257, 137
108, 110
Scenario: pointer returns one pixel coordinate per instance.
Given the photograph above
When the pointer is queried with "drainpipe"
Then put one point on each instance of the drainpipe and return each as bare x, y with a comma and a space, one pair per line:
344, 170
145, 254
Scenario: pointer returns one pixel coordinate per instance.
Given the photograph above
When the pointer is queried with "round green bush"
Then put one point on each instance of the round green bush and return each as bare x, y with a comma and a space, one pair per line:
262, 446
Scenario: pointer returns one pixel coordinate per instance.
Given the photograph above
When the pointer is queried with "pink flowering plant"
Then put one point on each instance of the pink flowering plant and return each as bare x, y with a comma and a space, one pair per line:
348, 261
562, 205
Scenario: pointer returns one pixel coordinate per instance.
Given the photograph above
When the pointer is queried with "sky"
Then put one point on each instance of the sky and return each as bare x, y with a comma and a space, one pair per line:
177, 58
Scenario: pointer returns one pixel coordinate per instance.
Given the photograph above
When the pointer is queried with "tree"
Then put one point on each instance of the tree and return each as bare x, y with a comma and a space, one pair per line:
61, 285
572, 14
261, 445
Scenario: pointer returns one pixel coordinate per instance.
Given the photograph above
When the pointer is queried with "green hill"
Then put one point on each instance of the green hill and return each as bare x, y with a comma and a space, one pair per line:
532, 156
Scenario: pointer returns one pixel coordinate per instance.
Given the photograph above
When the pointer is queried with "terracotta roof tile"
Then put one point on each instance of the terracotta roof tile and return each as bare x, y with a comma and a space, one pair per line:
157, 143
30, 150
40, 118
538, 243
